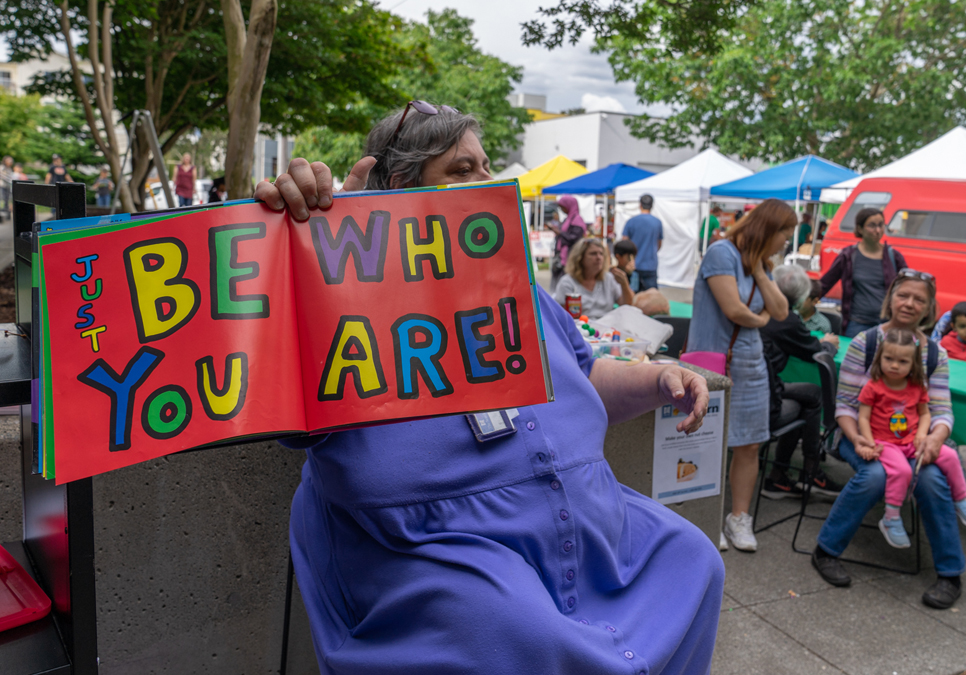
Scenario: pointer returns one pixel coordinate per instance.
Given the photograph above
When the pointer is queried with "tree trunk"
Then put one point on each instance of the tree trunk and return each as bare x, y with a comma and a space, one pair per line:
248, 54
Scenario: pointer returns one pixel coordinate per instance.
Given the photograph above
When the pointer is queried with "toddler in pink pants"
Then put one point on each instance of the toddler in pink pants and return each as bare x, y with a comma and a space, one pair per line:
894, 415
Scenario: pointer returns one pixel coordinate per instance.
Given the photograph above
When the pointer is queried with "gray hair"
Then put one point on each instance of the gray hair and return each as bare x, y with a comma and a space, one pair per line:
421, 138
794, 284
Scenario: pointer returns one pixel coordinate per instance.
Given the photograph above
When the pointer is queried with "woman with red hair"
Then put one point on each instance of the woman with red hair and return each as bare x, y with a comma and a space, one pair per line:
734, 296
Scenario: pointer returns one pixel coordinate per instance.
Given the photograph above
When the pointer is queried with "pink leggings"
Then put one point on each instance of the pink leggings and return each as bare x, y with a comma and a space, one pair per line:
895, 460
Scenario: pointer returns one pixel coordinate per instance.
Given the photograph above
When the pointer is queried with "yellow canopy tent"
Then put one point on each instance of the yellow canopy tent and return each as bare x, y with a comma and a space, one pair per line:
552, 172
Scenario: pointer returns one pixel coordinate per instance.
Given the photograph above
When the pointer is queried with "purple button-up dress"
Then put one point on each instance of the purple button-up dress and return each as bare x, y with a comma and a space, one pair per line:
420, 550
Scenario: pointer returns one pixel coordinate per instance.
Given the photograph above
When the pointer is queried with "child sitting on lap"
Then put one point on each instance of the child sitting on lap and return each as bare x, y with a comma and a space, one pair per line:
894, 414
954, 342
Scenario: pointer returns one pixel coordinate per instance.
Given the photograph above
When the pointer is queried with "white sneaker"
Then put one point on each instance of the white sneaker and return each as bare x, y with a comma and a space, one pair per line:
739, 532
723, 543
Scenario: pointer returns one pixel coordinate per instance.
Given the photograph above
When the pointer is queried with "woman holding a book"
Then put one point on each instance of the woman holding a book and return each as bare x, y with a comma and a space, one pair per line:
426, 547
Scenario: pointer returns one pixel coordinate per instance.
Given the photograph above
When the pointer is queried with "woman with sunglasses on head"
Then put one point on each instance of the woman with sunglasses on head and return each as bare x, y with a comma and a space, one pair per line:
866, 270
420, 549
910, 304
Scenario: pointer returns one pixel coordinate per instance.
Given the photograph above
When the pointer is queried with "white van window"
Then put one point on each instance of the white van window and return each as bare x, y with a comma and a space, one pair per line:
863, 200
929, 225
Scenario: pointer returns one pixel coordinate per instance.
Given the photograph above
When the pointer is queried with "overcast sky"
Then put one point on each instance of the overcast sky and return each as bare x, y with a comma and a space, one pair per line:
570, 76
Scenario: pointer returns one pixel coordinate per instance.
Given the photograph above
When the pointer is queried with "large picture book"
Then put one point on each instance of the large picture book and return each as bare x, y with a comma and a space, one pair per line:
237, 322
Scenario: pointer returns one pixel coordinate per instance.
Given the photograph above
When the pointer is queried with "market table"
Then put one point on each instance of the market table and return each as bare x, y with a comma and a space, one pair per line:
802, 371
682, 309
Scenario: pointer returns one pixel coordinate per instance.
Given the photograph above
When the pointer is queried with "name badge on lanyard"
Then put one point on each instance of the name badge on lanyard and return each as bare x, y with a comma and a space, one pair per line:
490, 425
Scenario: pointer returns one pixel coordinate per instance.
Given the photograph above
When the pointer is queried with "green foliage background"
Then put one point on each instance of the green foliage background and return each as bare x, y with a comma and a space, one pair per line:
454, 72
859, 83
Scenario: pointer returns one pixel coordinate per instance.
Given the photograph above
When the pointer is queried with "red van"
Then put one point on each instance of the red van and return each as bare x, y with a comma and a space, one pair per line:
925, 221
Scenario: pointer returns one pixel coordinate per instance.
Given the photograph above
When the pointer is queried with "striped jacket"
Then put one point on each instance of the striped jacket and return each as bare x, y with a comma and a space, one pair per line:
852, 377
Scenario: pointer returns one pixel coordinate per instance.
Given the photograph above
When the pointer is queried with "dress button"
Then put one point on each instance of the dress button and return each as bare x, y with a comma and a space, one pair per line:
612, 629
585, 622
628, 654
573, 601
531, 425
570, 575
555, 485
564, 515
568, 545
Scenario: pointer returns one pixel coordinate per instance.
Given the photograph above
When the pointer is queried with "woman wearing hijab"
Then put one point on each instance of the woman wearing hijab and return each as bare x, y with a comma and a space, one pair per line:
569, 233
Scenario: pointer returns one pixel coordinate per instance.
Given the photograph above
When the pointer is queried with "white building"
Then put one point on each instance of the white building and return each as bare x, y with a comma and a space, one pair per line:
16, 77
595, 140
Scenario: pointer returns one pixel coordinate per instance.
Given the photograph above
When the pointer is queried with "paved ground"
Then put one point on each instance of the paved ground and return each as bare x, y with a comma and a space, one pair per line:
778, 616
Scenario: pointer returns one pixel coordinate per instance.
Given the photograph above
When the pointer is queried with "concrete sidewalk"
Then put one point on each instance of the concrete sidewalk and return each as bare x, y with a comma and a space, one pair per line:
779, 616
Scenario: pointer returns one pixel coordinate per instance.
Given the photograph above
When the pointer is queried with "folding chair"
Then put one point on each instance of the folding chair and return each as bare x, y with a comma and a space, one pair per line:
831, 435
835, 319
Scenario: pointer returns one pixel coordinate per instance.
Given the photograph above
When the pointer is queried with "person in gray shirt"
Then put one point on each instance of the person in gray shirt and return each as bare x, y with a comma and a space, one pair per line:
590, 276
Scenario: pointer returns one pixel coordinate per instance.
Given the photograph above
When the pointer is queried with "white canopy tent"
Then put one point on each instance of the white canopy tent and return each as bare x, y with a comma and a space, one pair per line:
943, 159
681, 199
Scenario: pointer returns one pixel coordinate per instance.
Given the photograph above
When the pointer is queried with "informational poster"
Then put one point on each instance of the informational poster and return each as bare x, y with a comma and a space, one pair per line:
541, 244
688, 466
237, 323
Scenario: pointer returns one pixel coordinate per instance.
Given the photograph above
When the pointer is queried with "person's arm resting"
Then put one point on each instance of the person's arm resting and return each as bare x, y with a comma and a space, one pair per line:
724, 288
776, 304
940, 410
629, 390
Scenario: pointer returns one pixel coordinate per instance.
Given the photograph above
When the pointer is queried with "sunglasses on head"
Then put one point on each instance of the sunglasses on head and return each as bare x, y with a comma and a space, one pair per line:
916, 274
422, 107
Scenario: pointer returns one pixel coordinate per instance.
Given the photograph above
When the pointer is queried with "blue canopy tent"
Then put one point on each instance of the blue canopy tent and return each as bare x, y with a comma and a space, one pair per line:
601, 182
800, 180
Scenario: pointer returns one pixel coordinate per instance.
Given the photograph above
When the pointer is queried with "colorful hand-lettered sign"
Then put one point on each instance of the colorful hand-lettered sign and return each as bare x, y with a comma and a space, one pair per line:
238, 322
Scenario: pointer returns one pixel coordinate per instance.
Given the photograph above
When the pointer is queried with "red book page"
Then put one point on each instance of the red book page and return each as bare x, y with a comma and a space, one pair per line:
416, 304
214, 293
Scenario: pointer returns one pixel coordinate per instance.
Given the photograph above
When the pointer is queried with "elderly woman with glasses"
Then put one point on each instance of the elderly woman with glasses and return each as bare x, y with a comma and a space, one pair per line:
866, 270
420, 549
911, 304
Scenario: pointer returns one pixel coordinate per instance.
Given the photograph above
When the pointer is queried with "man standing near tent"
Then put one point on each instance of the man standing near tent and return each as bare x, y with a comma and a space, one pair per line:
647, 232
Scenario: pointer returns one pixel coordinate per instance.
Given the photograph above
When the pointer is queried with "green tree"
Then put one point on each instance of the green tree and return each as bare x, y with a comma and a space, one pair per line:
455, 72
31, 132
859, 83
674, 26
18, 120
170, 58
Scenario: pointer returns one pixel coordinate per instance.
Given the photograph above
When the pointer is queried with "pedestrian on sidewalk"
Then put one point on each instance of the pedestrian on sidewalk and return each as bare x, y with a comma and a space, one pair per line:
185, 175
647, 233
104, 187
57, 173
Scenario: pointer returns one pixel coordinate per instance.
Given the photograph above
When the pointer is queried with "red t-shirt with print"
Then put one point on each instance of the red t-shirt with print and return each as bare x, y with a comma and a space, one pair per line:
895, 413
954, 346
